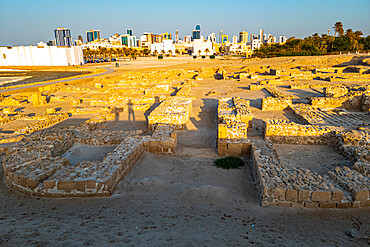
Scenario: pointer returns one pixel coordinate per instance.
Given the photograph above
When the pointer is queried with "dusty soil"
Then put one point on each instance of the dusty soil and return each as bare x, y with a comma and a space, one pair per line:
84, 152
317, 158
34, 76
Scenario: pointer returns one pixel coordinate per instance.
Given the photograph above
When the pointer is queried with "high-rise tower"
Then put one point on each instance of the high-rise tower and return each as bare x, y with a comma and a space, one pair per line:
63, 37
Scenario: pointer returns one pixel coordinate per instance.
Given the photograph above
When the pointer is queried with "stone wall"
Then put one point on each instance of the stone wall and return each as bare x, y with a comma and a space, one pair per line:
174, 111
278, 101
297, 187
234, 119
282, 131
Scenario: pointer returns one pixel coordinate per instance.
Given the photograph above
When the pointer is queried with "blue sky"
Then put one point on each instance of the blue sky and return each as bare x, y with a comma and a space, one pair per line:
25, 22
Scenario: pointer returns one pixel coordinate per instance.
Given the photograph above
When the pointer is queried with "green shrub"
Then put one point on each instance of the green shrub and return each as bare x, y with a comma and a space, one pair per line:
194, 57
229, 162
212, 57
203, 57
160, 57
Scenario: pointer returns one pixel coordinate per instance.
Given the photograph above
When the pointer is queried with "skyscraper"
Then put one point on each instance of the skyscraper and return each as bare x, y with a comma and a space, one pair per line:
80, 38
196, 32
177, 36
129, 32
243, 37
63, 37
261, 35
92, 35
220, 36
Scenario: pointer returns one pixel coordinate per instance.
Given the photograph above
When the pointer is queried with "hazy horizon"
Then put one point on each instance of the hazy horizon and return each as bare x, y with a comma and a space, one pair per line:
25, 22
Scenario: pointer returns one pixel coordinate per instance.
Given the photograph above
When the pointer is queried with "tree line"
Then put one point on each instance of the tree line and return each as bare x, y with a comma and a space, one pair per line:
341, 41
104, 53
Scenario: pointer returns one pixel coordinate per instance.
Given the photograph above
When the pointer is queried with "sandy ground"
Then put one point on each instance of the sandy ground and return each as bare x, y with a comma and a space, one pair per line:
183, 200
317, 158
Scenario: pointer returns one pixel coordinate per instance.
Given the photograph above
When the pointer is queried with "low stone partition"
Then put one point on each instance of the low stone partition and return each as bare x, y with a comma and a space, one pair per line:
350, 101
335, 91
306, 114
45, 121
234, 119
34, 165
365, 104
174, 111
163, 140
9, 118
282, 131
297, 187
260, 87
106, 114
278, 101
353, 182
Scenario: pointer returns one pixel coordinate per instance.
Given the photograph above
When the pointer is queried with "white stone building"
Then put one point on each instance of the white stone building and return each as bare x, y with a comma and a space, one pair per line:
167, 46
41, 56
202, 46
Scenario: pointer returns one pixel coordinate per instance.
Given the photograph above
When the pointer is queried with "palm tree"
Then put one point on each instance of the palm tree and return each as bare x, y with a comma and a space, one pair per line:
206, 51
155, 52
199, 51
163, 52
87, 53
351, 36
357, 35
338, 28
110, 53
170, 53
177, 52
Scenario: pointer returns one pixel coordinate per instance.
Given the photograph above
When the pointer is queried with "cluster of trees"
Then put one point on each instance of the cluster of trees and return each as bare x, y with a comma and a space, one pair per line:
341, 41
103, 53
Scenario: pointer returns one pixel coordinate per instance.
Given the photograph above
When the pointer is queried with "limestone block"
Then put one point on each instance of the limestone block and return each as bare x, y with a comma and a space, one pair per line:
321, 196
291, 195
360, 195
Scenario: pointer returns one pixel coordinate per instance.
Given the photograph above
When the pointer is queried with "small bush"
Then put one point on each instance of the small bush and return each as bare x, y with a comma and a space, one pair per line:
194, 57
160, 57
203, 57
229, 162
212, 57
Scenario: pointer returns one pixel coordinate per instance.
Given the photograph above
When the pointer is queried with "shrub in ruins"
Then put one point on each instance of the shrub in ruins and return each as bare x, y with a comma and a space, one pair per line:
229, 162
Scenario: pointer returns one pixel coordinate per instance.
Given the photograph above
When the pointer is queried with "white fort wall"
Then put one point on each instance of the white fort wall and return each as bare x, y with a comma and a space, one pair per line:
41, 56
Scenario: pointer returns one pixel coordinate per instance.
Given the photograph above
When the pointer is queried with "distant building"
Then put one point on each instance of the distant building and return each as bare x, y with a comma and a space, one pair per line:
41, 55
166, 35
177, 36
63, 37
196, 32
167, 46
115, 39
202, 47
128, 40
235, 39
129, 32
212, 37
224, 38
243, 37
80, 38
51, 43
261, 36
92, 35
256, 44
187, 39
221, 33
282, 39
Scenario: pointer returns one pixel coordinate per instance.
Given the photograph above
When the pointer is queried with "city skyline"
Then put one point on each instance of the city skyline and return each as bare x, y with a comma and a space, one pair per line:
27, 23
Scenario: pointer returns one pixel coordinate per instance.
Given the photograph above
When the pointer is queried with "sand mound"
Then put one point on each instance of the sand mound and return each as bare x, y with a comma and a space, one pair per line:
205, 193
141, 185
